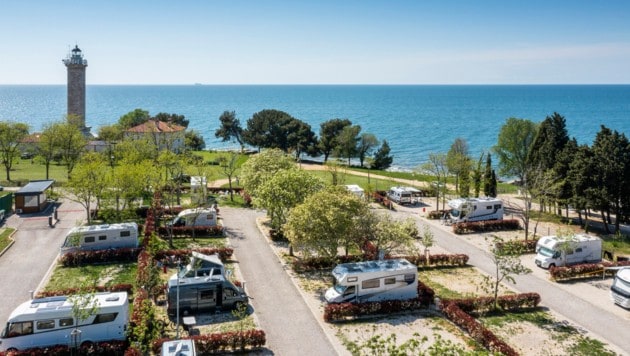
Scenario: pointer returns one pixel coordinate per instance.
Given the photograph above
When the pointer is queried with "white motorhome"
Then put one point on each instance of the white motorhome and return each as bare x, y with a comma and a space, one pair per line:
475, 209
49, 321
416, 194
400, 195
356, 190
620, 289
370, 281
195, 217
553, 251
101, 237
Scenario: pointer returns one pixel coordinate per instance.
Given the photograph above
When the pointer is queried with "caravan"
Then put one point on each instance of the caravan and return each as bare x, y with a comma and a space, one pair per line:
101, 237
580, 249
399, 195
475, 209
195, 217
50, 321
370, 281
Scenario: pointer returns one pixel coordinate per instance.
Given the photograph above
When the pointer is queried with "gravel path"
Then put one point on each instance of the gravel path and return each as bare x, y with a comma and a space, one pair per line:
282, 313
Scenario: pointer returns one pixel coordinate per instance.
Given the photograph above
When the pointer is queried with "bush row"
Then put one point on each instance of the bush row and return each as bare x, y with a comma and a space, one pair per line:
475, 329
488, 225
438, 260
123, 287
344, 311
437, 214
524, 246
512, 302
183, 255
585, 270
104, 348
78, 258
236, 341
187, 231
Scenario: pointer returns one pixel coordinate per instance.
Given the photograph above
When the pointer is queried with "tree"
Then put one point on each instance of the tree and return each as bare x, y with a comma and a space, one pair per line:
347, 142
301, 139
229, 166
194, 141
549, 141
172, 118
382, 159
436, 166
88, 181
367, 143
477, 176
513, 145
84, 304
325, 221
386, 233
507, 264
268, 129
11, 135
127, 181
49, 144
133, 118
582, 182
261, 167
328, 135
457, 160
110, 133
71, 145
230, 128
464, 178
489, 179
427, 239
283, 191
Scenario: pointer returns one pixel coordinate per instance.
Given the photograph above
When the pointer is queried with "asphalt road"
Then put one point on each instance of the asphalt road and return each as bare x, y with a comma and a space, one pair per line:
36, 247
288, 322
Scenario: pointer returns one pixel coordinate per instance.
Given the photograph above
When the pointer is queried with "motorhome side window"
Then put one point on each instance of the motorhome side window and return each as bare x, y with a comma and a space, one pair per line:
66, 322
488, 207
229, 292
45, 324
390, 280
125, 233
102, 238
105, 318
89, 239
579, 249
21, 328
497, 206
410, 277
350, 290
371, 283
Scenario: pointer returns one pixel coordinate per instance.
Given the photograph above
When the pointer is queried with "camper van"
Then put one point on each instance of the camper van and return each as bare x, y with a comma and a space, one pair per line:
185, 347
581, 249
371, 281
475, 209
355, 189
399, 195
199, 294
200, 266
620, 289
195, 217
49, 321
101, 237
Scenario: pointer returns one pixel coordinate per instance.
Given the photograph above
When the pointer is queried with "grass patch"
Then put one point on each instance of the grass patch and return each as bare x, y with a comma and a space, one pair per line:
104, 274
188, 242
24, 171
435, 278
4, 237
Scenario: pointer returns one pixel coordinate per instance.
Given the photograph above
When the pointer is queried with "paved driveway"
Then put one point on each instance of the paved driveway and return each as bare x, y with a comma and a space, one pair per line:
36, 247
291, 327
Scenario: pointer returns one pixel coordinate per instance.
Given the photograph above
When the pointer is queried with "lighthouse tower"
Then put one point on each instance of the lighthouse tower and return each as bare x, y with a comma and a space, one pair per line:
76, 88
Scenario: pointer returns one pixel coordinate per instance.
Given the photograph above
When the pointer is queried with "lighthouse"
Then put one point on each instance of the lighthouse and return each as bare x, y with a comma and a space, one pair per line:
76, 88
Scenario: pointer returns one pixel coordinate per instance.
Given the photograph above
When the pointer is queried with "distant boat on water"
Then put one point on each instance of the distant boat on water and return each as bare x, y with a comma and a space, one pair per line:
198, 84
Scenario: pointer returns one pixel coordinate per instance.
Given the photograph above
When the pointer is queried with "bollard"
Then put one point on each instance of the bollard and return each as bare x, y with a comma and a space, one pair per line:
50, 221
55, 214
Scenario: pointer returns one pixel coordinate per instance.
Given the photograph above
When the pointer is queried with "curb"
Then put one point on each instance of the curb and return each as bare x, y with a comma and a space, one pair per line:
10, 243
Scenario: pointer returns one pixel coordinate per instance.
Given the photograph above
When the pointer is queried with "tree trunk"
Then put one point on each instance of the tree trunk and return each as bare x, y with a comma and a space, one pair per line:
605, 222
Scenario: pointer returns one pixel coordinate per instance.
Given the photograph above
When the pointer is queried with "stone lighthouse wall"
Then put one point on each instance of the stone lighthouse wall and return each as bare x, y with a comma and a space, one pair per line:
76, 92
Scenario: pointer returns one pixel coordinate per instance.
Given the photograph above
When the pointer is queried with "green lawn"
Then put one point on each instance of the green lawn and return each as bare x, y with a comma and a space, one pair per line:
103, 274
24, 171
4, 237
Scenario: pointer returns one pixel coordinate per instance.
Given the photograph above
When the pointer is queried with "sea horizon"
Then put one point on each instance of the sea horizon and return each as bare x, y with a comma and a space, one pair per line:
415, 119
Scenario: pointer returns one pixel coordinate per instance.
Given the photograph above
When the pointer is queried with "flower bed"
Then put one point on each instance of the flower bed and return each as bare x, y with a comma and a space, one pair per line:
322, 263
488, 225
583, 271
187, 231
104, 348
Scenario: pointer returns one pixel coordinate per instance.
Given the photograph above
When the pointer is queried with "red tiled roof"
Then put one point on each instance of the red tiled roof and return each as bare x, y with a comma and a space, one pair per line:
32, 138
156, 126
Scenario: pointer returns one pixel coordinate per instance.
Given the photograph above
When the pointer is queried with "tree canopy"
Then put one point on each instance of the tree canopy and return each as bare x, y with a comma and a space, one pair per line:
11, 135
230, 128
328, 135
261, 167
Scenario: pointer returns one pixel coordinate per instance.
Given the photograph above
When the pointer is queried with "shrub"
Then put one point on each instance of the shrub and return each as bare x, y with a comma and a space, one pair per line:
525, 246
187, 231
105, 348
78, 258
69, 291
488, 225
581, 271
184, 254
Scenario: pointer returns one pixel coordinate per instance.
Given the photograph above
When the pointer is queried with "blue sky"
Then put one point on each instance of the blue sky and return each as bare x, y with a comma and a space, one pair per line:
318, 42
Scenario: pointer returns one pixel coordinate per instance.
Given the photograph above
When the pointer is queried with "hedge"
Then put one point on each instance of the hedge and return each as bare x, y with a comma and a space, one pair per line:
524, 246
322, 263
235, 341
105, 348
184, 254
187, 231
582, 271
512, 302
488, 225
78, 258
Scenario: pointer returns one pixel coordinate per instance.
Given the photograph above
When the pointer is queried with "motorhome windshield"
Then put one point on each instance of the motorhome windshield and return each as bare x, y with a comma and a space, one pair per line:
621, 284
455, 213
547, 252
340, 289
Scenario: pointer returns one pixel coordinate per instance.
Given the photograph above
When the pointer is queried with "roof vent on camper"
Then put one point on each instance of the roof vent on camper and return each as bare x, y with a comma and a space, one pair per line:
112, 298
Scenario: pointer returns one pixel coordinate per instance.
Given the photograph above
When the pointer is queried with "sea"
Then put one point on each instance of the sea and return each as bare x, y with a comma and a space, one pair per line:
416, 120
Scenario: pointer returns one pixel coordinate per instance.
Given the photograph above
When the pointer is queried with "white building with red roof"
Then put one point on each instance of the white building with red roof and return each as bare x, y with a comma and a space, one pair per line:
165, 135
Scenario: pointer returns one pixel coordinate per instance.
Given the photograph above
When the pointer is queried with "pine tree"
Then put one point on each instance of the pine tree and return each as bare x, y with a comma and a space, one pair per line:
382, 159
